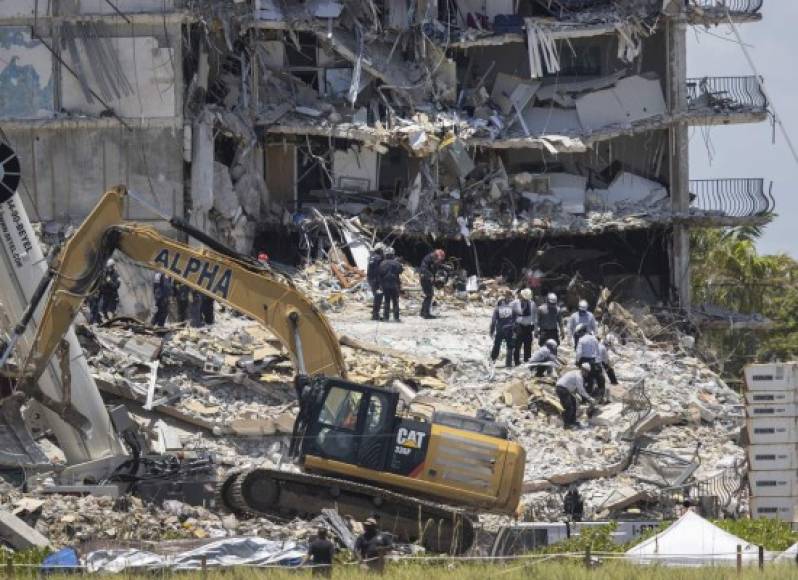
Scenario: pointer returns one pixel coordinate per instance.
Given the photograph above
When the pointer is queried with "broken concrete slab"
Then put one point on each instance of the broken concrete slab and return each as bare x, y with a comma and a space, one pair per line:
20, 535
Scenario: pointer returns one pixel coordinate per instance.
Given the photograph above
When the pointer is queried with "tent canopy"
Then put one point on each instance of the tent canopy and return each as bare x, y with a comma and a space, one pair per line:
692, 541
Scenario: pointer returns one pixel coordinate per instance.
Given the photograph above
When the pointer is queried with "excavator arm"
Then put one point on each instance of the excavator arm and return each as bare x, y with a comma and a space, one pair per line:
222, 274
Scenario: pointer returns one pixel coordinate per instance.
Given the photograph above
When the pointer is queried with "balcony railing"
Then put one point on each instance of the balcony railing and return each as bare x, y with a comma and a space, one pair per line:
726, 95
735, 7
732, 197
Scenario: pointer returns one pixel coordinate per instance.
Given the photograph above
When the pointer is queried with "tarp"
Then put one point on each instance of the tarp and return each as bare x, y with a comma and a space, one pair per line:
219, 554
693, 541
788, 555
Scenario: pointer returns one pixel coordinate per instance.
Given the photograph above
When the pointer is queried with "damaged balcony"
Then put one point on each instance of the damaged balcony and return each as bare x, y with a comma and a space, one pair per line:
726, 100
732, 202
716, 11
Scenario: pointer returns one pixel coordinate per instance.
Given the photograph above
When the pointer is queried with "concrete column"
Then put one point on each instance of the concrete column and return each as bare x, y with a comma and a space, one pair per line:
679, 156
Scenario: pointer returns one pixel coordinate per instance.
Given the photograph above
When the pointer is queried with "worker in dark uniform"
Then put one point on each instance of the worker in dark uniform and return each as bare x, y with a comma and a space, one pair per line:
371, 546
181, 292
162, 290
502, 329
373, 278
550, 325
109, 290
195, 309
320, 554
390, 282
206, 309
94, 306
429, 266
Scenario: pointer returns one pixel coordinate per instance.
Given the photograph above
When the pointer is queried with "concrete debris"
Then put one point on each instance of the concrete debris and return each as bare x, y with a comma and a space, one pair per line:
18, 534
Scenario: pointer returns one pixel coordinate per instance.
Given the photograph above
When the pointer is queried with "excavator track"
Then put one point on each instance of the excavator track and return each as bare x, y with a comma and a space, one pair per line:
439, 528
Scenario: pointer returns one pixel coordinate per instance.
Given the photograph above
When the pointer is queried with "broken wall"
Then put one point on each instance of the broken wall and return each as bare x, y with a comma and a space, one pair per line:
26, 76
67, 169
136, 75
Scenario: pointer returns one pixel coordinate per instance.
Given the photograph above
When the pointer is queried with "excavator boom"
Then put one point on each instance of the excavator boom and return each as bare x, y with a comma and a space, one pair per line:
245, 286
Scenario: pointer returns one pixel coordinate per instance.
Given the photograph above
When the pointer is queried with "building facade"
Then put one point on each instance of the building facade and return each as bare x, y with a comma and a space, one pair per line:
546, 135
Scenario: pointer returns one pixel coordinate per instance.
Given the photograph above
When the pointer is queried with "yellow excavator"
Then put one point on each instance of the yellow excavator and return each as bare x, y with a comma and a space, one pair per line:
360, 448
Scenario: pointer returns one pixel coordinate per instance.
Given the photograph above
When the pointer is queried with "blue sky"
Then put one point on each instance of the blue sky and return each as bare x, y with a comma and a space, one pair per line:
748, 150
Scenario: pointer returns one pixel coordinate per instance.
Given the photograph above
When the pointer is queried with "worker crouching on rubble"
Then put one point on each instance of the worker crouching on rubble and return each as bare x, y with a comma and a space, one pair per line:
390, 282
587, 352
502, 329
544, 359
373, 278
526, 314
569, 386
429, 266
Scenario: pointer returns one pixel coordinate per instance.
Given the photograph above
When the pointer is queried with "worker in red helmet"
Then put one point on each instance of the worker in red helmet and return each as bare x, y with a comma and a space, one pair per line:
263, 258
429, 266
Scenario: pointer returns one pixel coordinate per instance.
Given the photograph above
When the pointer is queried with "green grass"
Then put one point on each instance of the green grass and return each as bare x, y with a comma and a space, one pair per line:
568, 570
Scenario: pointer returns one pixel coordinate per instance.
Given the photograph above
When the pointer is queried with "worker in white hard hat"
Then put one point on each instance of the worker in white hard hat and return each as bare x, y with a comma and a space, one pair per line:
582, 316
587, 352
550, 325
526, 315
544, 359
569, 386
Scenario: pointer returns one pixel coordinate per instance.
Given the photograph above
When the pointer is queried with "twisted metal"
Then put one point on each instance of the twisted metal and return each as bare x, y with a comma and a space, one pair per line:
735, 7
733, 197
726, 94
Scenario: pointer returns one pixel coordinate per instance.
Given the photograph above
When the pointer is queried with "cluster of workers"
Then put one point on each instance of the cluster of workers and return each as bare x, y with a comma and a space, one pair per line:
370, 549
518, 320
384, 276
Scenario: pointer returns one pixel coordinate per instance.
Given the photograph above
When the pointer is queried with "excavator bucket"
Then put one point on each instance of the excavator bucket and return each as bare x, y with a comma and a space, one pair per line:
17, 447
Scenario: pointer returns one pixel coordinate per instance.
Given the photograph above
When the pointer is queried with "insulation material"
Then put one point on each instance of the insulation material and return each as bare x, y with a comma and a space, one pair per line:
569, 190
632, 99
26, 76
542, 49
355, 169
144, 86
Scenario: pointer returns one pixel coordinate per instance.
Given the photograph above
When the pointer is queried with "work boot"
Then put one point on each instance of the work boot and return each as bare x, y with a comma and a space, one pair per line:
429, 316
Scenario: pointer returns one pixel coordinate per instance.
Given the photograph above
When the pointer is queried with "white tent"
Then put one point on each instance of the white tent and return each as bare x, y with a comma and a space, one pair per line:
692, 541
788, 555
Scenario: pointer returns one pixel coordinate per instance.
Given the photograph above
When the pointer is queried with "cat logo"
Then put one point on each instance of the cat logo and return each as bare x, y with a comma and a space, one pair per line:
410, 439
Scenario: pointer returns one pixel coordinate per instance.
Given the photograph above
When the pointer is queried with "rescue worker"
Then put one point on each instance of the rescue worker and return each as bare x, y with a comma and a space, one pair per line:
605, 347
526, 314
587, 352
391, 283
263, 258
373, 278
550, 325
195, 306
320, 553
573, 505
569, 386
429, 266
371, 546
94, 306
109, 290
502, 329
181, 292
206, 309
545, 358
582, 316
162, 290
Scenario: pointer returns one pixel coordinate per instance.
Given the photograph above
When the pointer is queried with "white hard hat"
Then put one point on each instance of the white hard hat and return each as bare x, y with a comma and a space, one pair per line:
583, 305
379, 246
552, 298
526, 294
551, 344
585, 367
389, 251
110, 262
610, 340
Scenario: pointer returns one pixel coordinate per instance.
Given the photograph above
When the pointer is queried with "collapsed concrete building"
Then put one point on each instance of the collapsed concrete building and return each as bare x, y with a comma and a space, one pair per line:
546, 134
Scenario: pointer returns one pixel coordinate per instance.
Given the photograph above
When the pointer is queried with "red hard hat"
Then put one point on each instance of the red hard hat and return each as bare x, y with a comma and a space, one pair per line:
441, 254
263, 257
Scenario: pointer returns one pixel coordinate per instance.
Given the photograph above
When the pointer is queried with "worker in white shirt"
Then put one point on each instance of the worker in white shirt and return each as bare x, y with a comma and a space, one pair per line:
569, 386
